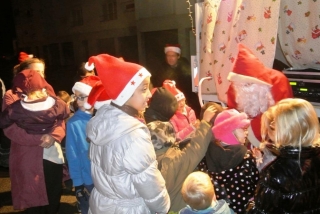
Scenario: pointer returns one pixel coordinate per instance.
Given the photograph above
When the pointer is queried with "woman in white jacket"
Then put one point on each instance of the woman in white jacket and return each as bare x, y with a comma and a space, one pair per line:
123, 161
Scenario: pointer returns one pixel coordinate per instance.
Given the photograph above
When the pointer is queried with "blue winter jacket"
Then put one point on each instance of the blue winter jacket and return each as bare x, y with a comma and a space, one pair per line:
77, 149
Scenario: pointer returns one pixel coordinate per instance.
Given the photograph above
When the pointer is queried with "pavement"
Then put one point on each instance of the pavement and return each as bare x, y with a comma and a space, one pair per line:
67, 205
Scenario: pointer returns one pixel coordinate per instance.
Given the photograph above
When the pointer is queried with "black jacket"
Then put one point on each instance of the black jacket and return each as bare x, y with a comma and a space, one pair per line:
291, 183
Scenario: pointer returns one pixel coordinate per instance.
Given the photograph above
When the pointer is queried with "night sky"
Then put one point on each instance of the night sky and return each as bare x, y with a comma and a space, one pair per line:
7, 29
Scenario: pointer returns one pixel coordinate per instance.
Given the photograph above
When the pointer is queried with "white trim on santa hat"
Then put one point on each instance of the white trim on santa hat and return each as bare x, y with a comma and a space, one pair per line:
246, 79
131, 86
172, 48
82, 88
180, 96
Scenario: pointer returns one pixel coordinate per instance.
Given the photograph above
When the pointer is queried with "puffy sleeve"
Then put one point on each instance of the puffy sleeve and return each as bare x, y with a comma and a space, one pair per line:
140, 162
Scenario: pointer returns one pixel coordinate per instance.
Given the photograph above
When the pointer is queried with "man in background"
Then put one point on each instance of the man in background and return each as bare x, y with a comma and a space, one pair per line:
178, 69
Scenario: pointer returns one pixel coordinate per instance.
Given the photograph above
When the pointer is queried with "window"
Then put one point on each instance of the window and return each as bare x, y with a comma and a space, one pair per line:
109, 11
77, 16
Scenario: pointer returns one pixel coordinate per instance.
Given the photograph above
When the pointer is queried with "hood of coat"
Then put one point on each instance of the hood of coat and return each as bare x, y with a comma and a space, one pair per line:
162, 106
111, 123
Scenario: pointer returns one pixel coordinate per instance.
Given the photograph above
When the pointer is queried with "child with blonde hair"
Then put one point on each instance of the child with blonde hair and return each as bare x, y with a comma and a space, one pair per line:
39, 109
198, 193
290, 183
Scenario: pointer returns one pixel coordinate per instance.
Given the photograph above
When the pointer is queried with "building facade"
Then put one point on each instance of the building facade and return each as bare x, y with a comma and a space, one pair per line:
65, 33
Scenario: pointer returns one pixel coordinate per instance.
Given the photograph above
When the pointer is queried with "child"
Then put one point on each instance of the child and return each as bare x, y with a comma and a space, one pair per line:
76, 144
291, 183
231, 167
162, 105
123, 161
39, 109
184, 120
198, 193
65, 96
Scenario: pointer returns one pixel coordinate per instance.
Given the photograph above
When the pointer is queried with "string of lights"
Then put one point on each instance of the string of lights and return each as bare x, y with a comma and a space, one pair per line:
191, 18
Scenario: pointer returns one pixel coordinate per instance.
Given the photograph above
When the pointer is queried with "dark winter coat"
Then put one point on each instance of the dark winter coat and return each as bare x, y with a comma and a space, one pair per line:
291, 183
35, 121
233, 172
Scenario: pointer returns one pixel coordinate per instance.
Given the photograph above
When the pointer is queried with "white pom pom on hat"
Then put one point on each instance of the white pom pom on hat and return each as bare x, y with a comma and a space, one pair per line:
89, 67
119, 78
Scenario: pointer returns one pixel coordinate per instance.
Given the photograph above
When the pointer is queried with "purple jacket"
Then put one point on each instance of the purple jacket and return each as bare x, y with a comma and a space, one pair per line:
35, 121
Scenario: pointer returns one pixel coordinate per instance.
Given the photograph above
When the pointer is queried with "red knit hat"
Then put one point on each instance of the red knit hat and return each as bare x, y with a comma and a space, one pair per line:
170, 47
29, 80
171, 86
120, 79
85, 85
24, 56
226, 122
97, 97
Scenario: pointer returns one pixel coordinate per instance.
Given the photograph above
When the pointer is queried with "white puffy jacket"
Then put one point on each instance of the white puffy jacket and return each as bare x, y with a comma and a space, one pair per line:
123, 166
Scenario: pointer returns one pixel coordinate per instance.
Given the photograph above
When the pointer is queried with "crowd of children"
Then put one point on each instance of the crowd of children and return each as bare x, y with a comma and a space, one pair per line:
132, 150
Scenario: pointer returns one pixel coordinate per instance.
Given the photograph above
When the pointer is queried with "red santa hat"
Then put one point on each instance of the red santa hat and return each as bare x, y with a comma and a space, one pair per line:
170, 47
119, 78
85, 85
171, 86
24, 56
249, 69
226, 122
97, 97
29, 80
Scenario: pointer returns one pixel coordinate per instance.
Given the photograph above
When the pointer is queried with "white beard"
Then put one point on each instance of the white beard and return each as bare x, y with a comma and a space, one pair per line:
252, 99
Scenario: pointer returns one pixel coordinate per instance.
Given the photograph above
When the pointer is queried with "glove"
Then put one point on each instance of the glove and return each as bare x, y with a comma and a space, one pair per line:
81, 193
82, 196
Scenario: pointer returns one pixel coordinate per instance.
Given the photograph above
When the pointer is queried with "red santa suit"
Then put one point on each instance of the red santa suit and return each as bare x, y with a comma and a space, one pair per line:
249, 69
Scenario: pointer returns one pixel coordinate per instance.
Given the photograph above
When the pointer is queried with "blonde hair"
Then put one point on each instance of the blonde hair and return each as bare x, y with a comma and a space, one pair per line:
293, 121
37, 94
64, 96
197, 191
